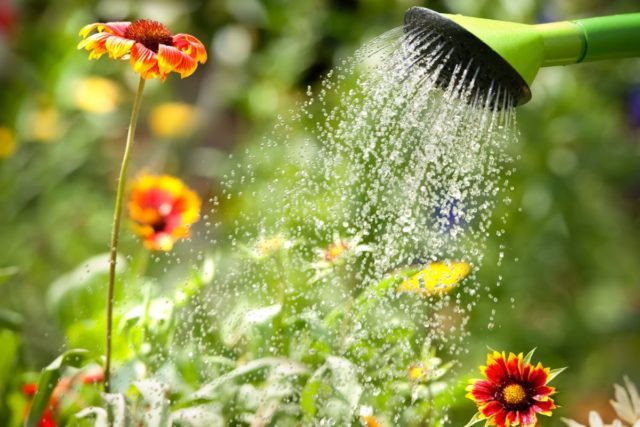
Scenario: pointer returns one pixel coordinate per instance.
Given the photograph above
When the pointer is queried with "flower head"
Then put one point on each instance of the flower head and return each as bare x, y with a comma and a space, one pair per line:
338, 252
436, 278
163, 208
150, 46
340, 249
513, 392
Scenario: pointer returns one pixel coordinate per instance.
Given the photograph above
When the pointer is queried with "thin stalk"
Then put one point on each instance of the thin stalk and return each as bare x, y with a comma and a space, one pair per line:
115, 230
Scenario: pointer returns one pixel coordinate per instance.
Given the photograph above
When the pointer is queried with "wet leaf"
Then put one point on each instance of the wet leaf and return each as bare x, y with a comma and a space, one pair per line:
10, 320
49, 379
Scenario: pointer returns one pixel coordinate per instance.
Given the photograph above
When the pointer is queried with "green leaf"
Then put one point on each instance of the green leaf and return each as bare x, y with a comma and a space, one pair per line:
475, 419
199, 278
7, 272
10, 320
117, 406
371, 295
99, 416
209, 391
79, 293
307, 398
49, 379
244, 318
198, 416
8, 357
527, 358
154, 393
555, 372
337, 382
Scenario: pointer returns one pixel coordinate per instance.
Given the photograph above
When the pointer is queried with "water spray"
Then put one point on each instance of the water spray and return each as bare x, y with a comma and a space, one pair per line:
510, 54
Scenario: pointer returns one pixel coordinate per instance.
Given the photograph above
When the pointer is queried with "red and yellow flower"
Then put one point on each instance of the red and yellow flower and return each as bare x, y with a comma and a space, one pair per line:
163, 209
513, 392
150, 46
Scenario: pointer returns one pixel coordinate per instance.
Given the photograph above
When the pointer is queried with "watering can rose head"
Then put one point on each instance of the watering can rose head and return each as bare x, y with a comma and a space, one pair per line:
150, 46
514, 391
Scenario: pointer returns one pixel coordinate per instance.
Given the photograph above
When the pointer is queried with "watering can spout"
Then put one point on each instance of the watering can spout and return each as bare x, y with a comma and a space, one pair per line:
510, 54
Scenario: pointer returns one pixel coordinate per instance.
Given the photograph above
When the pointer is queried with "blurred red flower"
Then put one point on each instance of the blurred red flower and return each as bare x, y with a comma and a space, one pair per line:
163, 209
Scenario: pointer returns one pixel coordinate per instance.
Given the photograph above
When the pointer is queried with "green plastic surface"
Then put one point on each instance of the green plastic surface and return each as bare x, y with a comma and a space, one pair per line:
528, 47
611, 37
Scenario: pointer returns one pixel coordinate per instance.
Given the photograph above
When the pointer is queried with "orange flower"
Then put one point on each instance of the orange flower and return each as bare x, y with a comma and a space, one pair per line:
163, 208
513, 392
152, 49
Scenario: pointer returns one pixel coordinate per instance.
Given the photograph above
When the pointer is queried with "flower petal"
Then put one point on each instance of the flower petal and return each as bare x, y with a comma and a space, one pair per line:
144, 61
118, 46
491, 409
187, 67
191, 46
595, 420
95, 44
528, 418
484, 391
170, 59
499, 419
117, 28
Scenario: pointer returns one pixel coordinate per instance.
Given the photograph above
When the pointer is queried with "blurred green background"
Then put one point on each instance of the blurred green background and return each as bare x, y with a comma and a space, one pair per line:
570, 277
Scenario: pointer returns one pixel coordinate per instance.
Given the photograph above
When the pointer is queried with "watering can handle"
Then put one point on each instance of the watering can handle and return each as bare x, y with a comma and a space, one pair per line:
590, 39
610, 37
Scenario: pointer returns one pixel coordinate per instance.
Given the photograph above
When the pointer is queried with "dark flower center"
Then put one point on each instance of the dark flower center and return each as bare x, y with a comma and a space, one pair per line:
159, 226
150, 33
514, 394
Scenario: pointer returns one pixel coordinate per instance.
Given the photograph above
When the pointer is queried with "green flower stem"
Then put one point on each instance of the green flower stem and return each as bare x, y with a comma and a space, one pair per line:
115, 230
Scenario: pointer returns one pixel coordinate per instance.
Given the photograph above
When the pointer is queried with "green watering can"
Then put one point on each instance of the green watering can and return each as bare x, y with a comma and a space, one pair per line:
509, 55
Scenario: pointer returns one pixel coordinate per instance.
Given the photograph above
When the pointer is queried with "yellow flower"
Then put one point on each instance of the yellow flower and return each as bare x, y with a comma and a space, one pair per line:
436, 278
173, 119
43, 124
97, 95
7, 142
163, 209
418, 372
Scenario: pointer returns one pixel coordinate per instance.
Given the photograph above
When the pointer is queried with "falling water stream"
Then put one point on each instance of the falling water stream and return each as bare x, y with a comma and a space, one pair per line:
347, 247
382, 169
